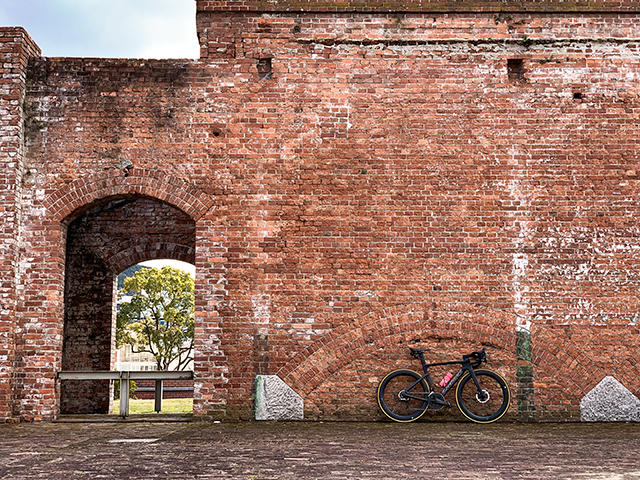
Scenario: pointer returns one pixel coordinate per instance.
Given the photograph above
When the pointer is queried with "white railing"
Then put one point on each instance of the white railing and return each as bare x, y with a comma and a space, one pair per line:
125, 377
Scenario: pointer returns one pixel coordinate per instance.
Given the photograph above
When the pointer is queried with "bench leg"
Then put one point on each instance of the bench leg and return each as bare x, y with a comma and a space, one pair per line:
158, 405
124, 394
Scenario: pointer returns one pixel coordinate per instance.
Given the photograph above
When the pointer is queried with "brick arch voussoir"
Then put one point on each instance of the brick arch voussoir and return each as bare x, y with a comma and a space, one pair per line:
430, 320
559, 358
141, 251
82, 192
425, 320
630, 376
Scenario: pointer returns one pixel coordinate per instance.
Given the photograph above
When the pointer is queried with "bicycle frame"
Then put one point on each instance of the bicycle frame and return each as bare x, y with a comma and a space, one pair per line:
466, 367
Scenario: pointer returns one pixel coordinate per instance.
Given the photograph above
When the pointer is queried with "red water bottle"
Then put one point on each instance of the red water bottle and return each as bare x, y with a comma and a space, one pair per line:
445, 380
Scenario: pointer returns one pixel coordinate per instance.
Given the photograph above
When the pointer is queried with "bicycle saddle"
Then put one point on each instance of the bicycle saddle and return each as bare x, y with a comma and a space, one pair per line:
416, 352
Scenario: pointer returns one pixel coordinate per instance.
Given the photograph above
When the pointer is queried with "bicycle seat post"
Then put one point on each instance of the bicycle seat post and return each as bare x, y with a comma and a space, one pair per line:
419, 353
424, 363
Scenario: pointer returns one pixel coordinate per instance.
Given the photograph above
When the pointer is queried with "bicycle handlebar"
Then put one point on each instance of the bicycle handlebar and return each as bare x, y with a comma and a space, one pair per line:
479, 357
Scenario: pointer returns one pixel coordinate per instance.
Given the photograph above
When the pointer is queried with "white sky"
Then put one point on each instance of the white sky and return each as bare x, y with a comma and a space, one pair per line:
107, 28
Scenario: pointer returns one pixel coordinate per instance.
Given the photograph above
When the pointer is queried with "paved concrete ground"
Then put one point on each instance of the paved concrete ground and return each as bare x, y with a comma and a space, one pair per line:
264, 451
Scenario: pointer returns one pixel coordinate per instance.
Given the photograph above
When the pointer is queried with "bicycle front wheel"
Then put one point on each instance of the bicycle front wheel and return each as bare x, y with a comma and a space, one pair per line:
487, 405
395, 392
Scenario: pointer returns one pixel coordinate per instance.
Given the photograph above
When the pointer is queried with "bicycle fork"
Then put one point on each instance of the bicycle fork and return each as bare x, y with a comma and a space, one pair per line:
481, 394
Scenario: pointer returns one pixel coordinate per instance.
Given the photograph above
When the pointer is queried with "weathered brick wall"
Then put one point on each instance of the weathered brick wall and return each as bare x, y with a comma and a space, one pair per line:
361, 182
16, 50
419, 165
88, 330
425, 6
84, 148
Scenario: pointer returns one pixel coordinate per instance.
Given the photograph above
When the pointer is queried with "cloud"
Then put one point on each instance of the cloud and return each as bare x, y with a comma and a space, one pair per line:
107, 28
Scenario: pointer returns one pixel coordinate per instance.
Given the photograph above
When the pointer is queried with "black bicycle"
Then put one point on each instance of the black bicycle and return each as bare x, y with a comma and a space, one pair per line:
482, 395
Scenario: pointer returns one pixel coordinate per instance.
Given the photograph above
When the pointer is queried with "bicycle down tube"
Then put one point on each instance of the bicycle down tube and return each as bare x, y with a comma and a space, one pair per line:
450, 384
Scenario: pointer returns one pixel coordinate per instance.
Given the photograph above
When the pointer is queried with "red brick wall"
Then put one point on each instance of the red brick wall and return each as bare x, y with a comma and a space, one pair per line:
359, 183
426, 6
16, 50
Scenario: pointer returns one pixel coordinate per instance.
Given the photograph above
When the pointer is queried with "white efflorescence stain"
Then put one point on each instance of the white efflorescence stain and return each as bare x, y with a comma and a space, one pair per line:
261, 305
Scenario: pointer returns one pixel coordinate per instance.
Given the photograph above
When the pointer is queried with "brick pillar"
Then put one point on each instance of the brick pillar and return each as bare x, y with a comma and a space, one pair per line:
211, 385
16, 49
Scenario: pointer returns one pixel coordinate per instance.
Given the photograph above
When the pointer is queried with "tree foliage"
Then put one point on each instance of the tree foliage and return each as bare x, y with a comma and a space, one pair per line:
158, 318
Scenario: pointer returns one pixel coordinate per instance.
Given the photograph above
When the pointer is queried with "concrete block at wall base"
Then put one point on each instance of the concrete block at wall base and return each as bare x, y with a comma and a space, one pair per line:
275, 400
610, 401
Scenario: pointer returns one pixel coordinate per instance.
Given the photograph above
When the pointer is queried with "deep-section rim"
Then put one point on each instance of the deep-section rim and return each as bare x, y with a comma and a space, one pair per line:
505, 403
386, 410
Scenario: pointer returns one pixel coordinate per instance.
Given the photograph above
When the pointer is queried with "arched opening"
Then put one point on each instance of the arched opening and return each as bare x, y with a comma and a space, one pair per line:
101, 242
135, 353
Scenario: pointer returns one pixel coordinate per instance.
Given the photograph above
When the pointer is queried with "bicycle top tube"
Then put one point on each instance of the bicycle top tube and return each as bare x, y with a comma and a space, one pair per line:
474, 358
453, 362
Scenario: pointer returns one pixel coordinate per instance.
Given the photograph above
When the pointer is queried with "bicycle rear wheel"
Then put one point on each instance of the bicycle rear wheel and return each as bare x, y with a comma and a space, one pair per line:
487, 406
393, 399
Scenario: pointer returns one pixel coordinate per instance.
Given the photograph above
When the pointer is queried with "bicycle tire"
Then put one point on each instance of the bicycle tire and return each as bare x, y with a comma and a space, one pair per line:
483, 410
397, 409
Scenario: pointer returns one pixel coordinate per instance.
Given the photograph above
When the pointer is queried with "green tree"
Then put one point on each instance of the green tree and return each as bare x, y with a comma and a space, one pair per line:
158, 318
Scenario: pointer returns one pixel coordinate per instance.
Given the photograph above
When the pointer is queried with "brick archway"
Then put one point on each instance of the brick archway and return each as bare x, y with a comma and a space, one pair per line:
141, 251
77, 195
440, 320
112, 220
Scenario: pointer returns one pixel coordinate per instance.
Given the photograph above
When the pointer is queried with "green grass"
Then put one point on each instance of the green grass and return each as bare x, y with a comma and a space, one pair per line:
173, 405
